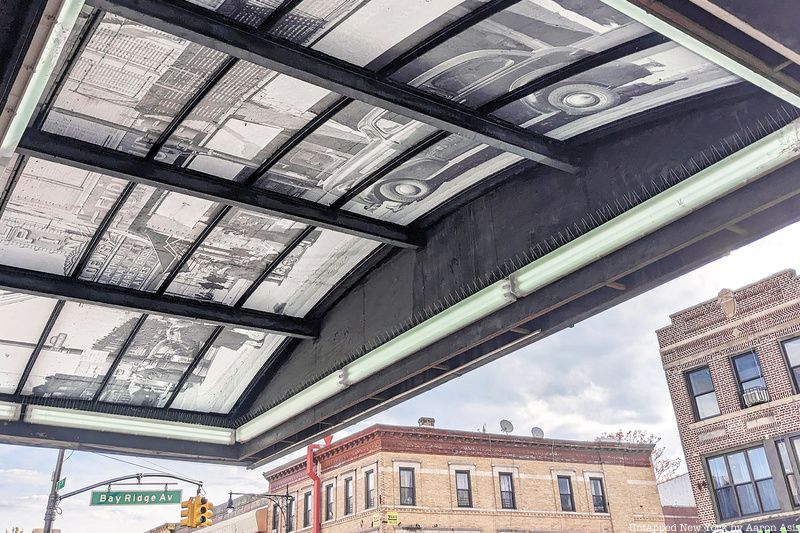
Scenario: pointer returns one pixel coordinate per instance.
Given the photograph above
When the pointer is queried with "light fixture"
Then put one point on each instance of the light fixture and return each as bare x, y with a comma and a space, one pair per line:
39, 77
735, 171
56, 416
689, 42
9, 411
230, 507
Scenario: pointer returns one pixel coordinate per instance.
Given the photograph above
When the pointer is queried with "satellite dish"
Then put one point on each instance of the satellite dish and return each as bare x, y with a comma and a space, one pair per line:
537, 432
506, 426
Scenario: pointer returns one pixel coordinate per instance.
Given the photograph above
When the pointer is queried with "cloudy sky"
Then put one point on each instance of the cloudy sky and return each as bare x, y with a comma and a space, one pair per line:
601, 375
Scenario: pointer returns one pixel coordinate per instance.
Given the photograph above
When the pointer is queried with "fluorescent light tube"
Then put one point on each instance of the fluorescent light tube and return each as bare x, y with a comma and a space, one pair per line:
9, 411
26, 105
703, 50
712, 183
145, 427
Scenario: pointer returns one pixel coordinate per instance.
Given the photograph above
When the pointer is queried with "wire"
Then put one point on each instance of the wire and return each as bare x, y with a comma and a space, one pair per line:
134, 464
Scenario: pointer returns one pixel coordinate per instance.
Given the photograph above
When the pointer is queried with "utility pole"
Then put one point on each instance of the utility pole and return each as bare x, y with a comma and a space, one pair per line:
52, 501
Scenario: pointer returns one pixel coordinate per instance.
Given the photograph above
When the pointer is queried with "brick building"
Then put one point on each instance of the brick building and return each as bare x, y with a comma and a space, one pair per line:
439, 480
733, 370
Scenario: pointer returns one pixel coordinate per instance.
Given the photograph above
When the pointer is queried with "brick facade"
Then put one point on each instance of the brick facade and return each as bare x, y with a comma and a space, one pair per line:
756, 318
435, 455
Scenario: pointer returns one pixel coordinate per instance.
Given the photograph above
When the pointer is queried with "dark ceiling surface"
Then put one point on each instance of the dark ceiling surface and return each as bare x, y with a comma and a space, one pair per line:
219, 204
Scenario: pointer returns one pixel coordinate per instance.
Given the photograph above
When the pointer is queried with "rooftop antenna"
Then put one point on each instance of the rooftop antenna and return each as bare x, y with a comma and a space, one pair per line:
537, 432
506, 426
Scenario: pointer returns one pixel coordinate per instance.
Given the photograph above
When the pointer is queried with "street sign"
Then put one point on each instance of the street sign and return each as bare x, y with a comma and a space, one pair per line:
392, 518
135, 497
376, 519
61, 483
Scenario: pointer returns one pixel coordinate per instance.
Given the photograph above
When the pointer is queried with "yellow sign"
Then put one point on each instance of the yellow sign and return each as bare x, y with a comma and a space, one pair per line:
376, 519
392, 518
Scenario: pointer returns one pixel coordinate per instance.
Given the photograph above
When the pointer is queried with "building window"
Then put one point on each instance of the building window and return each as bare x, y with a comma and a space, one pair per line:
275, 511
792, 350
307, 509
290, 508
704, 398
785, 451
565, 492
348, 496
507, 491
748, 374
407, 496
598, 495
463, 489
369, 489
329, 502
743, 484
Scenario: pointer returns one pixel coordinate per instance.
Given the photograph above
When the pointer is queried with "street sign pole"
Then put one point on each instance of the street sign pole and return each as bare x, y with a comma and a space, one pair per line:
52, 501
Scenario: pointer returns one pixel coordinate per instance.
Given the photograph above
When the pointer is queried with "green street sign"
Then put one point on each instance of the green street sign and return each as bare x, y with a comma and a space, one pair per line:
135, 497
61, 483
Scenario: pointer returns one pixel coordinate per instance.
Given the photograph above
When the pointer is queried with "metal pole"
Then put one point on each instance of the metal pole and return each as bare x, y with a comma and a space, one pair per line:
52, 501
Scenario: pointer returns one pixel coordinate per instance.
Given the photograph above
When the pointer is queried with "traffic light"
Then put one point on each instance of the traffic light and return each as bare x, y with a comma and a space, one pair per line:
203, 512
188, 515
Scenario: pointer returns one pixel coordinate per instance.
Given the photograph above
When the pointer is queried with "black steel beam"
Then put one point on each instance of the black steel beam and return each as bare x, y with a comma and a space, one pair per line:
445, 34
386, 168
118, 357
187, 108
197, 358
298, 137
39, 345
573, 69
210, 29
101, 230
51, 285
94, 158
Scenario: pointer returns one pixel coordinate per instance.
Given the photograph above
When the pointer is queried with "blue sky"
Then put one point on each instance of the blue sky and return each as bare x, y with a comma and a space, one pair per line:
601, 375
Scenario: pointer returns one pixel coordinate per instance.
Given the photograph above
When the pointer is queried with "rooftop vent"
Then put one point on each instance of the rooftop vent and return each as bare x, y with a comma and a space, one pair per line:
426, 422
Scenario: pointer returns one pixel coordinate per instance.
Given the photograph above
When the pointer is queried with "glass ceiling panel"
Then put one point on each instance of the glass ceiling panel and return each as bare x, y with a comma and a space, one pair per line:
370, 33
52, 213
619, 89
343, 151
233, 255
148, 237
515, 46
79, 351
322, 260
22, 320
126, 86
250, 12
243, 120
430, 179
226, 370
5, 177
158, 356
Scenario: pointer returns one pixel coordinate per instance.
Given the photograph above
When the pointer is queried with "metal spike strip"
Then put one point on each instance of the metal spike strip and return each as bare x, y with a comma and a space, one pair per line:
713, 154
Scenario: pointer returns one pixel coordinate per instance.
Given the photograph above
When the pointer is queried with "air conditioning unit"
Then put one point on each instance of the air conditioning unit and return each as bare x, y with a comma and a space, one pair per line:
755, 396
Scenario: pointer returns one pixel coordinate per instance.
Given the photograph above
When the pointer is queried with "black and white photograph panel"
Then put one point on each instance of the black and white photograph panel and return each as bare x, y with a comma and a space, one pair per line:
52, 213
127, 85
622, 88
22, 320
246, 116
148, 237
429, 179
79, 351
320, 262
342, 152
250, 12
158, 356
225, 371
233, 255
369, 33
517, 45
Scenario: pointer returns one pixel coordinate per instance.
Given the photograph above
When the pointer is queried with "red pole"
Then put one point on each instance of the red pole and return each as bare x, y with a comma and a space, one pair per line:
316, 494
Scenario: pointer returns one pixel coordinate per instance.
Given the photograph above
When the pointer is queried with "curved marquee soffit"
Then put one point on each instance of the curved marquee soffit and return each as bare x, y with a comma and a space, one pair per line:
737, 170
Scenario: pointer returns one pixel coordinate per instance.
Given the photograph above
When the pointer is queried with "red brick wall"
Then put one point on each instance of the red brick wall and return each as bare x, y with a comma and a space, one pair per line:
767, 312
